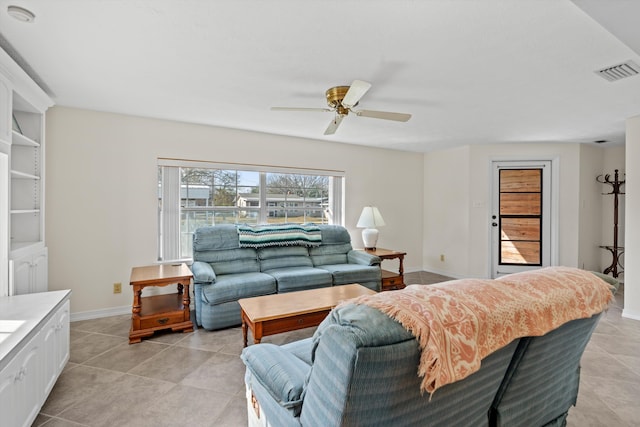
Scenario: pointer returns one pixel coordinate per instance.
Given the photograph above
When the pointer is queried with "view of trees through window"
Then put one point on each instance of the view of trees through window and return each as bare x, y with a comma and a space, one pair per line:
222, 196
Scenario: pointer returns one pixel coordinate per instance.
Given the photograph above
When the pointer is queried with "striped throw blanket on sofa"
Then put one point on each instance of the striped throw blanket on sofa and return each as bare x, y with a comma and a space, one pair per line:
262, 236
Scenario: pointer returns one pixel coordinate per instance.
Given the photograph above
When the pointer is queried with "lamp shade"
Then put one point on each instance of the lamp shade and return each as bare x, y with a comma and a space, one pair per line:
370, 218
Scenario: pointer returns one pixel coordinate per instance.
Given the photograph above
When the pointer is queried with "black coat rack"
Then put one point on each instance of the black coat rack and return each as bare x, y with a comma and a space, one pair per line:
616, 251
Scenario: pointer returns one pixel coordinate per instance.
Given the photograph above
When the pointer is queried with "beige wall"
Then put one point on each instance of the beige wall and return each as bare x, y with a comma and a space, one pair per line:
632, 230
101, 202
446, 212
458, 204
101, 192
591, 206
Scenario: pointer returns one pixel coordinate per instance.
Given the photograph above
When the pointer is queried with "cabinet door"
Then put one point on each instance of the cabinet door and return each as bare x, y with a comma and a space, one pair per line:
49, 347
30, 384
40, 271
21, 386
30, 273
56, 346
63, 341
22, 275
8, 393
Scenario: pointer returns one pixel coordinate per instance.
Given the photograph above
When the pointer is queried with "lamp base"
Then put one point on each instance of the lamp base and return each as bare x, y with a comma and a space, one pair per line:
370, 238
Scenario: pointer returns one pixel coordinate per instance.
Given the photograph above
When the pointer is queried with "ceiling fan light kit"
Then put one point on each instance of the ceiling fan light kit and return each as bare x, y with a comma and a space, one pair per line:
342, 99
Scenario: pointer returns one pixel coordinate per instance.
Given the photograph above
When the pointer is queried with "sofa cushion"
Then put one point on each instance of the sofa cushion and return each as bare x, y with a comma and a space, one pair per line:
370, 327
301, 349
284, 257
281, 373
352, 273
336, 243
232, 287
334, 234
330, 254
214, 238
231, 261
299, 278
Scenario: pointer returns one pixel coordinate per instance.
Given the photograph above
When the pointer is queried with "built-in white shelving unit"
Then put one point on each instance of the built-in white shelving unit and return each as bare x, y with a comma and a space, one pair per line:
22, 137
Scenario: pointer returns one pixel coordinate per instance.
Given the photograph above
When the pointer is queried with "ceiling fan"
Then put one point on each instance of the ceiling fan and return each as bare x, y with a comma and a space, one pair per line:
342, 99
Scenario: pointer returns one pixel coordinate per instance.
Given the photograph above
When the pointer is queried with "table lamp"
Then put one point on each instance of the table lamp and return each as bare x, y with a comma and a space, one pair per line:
370, 218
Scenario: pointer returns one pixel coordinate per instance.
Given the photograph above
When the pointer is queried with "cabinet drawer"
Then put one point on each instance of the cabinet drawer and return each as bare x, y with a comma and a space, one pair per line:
163, 319
392, 280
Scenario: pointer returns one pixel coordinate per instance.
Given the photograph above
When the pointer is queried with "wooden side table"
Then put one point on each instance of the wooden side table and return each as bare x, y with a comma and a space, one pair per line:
390, 279
153, 313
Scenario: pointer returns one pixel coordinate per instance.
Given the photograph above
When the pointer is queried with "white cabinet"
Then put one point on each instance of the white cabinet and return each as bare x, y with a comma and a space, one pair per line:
21, 386
30, 273
55, 346
22, 117
33, 351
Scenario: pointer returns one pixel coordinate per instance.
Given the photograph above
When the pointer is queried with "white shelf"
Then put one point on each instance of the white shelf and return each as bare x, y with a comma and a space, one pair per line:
19, 139
23, 175
25, 211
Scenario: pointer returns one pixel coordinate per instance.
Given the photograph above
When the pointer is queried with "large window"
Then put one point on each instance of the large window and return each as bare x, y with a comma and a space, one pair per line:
197, 194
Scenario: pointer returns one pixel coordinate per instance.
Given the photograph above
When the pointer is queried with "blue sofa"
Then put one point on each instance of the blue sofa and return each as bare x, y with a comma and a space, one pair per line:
360, 369
224, 272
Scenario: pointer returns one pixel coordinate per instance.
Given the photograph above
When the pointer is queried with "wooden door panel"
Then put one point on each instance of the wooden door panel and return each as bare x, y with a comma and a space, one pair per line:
520, 204
520, 229
515, 252
521, 180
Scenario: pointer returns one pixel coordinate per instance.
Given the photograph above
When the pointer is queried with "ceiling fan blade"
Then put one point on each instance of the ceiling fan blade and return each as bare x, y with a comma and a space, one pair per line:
333, 126
356, 91
398, 117
300, 109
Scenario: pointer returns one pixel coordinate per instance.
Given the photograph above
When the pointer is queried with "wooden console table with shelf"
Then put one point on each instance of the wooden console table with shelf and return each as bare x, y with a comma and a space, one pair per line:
157, 312
390, 279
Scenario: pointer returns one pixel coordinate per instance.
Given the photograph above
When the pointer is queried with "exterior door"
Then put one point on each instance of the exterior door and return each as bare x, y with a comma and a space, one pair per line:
521, 215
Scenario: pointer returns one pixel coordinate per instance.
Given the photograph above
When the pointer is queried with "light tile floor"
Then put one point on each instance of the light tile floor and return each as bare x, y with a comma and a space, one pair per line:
196, 379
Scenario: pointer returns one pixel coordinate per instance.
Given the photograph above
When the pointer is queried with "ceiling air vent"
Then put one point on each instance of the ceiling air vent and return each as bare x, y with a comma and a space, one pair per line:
620, 71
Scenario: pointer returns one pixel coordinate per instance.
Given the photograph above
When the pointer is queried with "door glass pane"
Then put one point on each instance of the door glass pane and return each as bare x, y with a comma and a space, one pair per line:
520, 216
513, 252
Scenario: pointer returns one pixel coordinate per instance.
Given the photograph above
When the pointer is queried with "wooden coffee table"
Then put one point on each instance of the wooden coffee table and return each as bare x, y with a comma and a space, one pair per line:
274, 314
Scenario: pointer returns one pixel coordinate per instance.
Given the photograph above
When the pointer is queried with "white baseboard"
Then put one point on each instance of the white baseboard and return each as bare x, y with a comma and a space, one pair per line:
97, 314
630, 315
105, 312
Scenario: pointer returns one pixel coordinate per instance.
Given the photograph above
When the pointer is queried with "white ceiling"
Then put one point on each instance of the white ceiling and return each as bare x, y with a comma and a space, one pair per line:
469, 72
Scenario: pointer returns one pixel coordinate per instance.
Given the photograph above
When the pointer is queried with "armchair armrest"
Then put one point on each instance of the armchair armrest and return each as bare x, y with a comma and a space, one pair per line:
202, 272
362, 257
281, 373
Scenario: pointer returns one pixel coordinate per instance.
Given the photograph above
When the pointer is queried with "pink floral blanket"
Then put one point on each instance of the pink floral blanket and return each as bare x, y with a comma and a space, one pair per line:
460, 322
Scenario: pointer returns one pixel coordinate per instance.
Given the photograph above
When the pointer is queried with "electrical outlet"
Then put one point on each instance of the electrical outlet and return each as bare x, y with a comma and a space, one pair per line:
442, 257
117, 288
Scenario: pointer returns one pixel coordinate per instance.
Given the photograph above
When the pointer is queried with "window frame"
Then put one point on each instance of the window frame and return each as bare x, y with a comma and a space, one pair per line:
170, 233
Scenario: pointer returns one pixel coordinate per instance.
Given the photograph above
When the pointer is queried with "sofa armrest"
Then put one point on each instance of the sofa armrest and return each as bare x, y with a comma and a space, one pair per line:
362, 257
203, 272
280, 372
